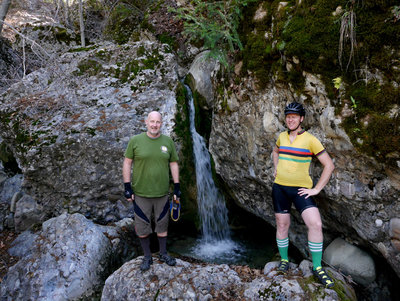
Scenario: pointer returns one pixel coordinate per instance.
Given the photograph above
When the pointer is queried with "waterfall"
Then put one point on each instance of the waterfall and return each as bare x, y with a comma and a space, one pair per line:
216, 239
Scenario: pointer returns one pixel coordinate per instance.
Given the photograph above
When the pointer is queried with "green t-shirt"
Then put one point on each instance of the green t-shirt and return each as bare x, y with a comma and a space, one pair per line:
151, 158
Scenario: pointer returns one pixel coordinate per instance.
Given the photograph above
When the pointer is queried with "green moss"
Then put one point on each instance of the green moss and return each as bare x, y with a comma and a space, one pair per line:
90, 67
91, 131
130, 71
80, 49
317, 294
123, 20
168, 39
372, 129
310, 32
186, 161
5, 153
203, 118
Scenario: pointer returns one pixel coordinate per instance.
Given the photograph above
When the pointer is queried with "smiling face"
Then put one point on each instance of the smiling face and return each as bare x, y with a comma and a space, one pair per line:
153, 124
293, 121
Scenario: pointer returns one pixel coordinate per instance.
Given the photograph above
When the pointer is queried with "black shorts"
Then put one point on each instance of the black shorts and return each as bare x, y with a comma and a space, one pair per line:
284, 196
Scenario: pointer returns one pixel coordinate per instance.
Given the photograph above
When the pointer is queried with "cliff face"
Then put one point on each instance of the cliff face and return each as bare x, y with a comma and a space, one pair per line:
68, 124
361, 201
362, 197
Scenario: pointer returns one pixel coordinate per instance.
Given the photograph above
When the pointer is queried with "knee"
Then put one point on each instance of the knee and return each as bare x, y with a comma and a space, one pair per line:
282, 225
315, 225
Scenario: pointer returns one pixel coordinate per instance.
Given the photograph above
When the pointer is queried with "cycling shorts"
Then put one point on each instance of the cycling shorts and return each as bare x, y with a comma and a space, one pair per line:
284, 196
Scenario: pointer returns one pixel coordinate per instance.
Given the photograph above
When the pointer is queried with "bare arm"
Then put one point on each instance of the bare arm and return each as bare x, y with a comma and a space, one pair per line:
174, 171
327, 162
126, 170
275, 158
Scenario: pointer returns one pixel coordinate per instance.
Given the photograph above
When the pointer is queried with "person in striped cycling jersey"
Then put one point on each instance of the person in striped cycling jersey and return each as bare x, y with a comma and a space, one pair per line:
292, 157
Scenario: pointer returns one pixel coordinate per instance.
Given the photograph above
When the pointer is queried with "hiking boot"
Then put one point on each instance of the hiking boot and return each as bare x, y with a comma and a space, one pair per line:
323, 277
283, 266
168, 259
145, 265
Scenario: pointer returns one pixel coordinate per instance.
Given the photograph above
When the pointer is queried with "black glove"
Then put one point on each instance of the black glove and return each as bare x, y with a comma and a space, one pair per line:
177, 191
128, 190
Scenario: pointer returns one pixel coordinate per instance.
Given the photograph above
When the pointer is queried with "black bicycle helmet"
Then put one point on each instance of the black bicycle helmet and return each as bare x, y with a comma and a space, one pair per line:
295, 108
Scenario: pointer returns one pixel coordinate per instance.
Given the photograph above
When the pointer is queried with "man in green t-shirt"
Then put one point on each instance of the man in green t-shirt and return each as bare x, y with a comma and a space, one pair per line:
152, 155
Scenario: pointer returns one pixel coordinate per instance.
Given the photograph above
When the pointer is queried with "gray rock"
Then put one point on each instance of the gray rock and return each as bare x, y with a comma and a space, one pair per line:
9, 187
187, 281
200, 77
27, 213
78, 115
68, 260
351, 260
22, 245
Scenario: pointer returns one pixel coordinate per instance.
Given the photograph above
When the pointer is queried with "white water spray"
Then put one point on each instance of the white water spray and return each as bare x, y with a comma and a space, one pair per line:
216, 239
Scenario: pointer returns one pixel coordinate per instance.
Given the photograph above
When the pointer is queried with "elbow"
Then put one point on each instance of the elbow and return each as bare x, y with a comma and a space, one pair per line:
332, 167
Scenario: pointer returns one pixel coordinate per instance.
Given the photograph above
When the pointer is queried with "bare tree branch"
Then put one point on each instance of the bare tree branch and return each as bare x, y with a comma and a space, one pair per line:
33, 43
5, 4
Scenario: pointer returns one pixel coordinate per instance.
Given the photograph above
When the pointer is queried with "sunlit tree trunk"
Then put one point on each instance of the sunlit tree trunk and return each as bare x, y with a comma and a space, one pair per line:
5, 4
66, 13
82, 25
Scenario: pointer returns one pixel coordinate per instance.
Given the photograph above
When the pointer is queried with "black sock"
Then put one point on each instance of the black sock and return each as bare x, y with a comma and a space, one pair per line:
145, 243
163, 244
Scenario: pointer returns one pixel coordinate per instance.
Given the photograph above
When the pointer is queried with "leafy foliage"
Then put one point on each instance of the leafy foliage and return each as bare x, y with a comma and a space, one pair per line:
213, 23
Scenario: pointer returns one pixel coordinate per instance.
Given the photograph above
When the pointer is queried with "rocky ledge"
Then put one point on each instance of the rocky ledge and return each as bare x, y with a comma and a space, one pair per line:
197, 281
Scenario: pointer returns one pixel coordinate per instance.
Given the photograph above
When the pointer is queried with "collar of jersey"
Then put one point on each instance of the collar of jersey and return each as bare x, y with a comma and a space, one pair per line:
299, 133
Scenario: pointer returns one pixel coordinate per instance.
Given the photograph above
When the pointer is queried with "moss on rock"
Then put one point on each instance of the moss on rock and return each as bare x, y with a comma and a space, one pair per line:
310, 31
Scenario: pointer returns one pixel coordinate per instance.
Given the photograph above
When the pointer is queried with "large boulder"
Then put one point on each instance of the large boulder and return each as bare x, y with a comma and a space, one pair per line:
351, 260
67, 260
68, 125
200, 77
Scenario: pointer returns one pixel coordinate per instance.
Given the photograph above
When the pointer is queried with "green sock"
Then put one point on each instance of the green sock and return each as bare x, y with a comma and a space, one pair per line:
316, 253
283, 246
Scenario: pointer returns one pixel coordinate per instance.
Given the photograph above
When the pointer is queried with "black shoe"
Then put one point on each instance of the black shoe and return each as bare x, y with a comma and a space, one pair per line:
323, 277
283, 266
167, 259
145, 265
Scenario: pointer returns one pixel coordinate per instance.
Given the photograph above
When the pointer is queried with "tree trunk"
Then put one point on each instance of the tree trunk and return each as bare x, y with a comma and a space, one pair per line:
5, 4
82, 25
66, 13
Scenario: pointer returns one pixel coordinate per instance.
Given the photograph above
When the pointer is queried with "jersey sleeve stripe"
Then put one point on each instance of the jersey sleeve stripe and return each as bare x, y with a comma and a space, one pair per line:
294, 160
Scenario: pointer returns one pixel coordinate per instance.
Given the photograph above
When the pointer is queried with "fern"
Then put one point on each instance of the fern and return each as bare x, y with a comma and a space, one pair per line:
214, 23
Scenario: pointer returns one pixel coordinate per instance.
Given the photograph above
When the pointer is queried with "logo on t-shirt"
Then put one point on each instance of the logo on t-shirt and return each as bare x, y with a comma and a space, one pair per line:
164, 149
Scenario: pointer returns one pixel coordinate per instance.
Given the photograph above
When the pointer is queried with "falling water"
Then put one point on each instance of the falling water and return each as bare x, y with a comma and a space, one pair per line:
216, 238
